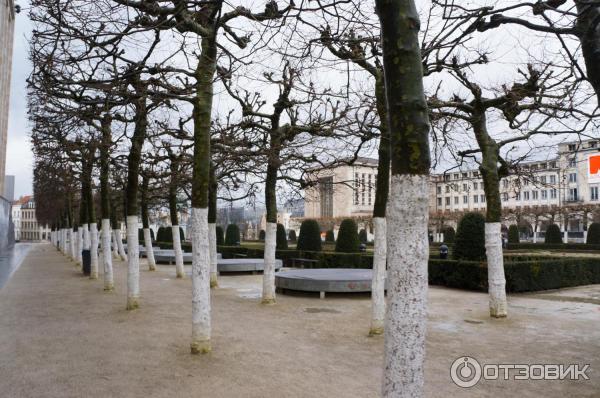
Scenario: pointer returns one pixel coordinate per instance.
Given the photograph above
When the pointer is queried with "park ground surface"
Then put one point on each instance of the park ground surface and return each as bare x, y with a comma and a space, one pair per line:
62, 336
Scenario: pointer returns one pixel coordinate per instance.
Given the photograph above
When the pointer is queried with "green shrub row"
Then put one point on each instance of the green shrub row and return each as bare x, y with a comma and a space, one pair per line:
553, 246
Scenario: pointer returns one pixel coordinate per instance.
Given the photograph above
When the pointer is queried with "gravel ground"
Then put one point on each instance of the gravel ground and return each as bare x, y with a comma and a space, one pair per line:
62, 336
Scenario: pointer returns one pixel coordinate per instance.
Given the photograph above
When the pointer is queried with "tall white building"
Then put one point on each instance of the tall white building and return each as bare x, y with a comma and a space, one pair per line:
7, 28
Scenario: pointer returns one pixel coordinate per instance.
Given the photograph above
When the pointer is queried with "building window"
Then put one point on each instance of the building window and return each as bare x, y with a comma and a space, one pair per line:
573, 194
363, 188
439, 190
593, 193
456, 176
525, 181
553, 165
504, 196
456, 200
572, 177
447, 201
465, 188
447, 188
526, 195
370, 188
475, 198
572, 162
535, 195
553, 193
593, 144
475, 186
465, 199
544, 194
356, 188
553, 179
572, 147
326, 188
518, 196
439, 200
543, 179
505, 183
482, 198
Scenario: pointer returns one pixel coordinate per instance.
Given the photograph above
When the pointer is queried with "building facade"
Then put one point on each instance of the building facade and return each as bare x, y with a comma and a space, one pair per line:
7, 28
26, 226
564, 189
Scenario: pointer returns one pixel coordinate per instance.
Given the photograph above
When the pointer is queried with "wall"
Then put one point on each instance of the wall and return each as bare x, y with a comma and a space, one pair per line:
7, 26
7, 238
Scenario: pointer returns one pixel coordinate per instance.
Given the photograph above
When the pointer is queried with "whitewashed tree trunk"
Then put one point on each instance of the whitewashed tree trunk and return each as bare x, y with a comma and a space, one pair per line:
64, 242
406, 313
495, 265
378, 281
179, 270
73, 244
122, 253
107, 256
201, 322
79, 244
115, 245
86, 237
94, 250
149, 250
212, 241
535, 231
268, 290
133, 264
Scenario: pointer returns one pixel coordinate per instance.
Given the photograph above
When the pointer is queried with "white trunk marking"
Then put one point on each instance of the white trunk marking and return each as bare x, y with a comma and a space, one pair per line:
106, 255
79, 244
406, 315
212, 241
379, 271
495, 266
268, 291
115, 245
201, 325
179, 270
120, 247
72, 244
149, 250
133, 264
94, 250
86, 237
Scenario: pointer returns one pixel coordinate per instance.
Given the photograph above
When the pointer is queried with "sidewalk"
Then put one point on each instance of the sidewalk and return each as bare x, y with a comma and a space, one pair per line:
61, 335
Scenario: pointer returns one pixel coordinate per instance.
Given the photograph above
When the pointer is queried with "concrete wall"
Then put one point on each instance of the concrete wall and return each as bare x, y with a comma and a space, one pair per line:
7, 238
7, 26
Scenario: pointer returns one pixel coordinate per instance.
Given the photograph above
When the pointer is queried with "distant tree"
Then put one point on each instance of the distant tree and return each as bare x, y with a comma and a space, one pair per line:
330, 236
261, 235
310, 236
220, 235
292, 234
281, 238
362, 236
347, 241
232, 235
553, 234
593, 234
449, 235
470, 241
513, 234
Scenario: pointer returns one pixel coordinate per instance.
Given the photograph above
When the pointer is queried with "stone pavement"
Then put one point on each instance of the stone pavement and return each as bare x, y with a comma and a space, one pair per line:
61, 335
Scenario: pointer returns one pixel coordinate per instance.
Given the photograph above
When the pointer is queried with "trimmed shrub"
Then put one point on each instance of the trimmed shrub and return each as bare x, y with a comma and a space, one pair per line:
292, 235
449, 235
141, 235
165, 234
584, 247
232, 235
261, 235
310, 236
513, 234
593, 234
362, 236
330, 236
220, 235
281, 238
553, 234
469, 243
347, 240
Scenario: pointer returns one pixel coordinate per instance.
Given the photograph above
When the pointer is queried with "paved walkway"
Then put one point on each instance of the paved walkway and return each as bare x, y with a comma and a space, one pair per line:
62, 336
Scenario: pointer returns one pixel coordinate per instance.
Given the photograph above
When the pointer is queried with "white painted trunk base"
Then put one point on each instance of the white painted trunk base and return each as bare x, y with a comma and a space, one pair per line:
149, 250
406, 313
115, 245
79, 244
212, 241
495, 266
179, 270
73, 244
94, 250
109, 283
133, 264
86, 237
201, 322
122, 253
268, 290
379, 271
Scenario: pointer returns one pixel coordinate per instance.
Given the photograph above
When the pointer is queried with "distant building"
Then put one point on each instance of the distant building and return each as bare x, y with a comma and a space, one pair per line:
25, 223
9, 188
231, 215
7, 30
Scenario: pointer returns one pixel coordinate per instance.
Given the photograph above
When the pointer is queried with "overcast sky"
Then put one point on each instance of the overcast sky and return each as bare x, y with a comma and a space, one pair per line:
19, 159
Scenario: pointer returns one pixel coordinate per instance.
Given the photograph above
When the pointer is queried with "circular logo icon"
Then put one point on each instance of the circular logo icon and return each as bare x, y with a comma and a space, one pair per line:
465, 372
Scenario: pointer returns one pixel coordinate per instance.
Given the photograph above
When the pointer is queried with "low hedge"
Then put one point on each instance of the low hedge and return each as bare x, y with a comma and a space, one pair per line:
553, 246
185, 246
